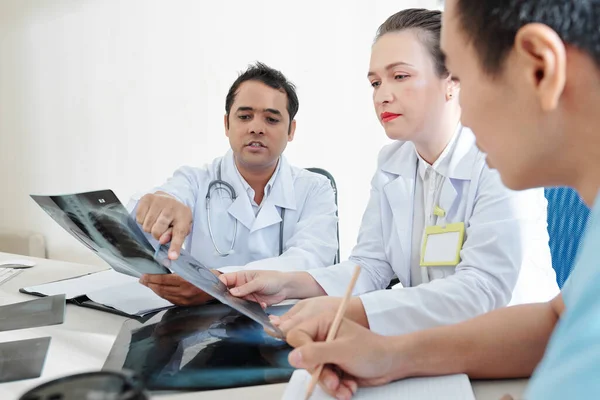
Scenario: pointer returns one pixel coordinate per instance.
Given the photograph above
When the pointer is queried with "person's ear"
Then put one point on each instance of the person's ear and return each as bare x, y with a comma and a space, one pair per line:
292, 130
226, 123
542, 56
452, 88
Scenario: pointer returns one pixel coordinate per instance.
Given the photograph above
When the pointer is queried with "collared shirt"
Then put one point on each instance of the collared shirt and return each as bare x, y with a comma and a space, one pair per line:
251, 193
428, 183
309, 232
571, 364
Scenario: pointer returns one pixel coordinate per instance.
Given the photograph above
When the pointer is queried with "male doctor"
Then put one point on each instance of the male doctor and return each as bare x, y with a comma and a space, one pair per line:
250, 208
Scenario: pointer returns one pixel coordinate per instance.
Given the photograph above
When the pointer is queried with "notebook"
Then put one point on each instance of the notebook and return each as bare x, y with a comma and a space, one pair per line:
449, 387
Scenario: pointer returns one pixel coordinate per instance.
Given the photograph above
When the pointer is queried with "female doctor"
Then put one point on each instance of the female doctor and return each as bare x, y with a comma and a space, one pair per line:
439, 219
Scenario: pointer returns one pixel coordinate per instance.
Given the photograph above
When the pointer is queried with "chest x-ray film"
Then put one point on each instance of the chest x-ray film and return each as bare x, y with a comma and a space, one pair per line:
200, 348
103, 225
23, 359
197, 274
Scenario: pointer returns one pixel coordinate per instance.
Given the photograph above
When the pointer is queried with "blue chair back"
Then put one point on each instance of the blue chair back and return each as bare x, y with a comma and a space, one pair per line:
567, 220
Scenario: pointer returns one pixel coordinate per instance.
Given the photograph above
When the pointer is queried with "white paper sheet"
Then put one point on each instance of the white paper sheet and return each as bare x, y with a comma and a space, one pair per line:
132, 298
111, 288
76, 287
450, 387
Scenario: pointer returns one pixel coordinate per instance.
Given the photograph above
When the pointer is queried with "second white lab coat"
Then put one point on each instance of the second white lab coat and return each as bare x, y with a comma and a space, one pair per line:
505, 257
310, 221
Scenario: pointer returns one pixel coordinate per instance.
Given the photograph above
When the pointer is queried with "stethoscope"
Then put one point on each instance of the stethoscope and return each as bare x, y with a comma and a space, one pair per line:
220, 184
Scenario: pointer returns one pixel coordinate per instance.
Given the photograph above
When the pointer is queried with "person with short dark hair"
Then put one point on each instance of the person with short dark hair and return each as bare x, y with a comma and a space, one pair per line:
530, 83
249, 208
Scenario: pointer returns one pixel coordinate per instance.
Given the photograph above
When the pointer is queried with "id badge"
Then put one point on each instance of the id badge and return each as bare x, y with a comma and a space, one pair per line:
442, 245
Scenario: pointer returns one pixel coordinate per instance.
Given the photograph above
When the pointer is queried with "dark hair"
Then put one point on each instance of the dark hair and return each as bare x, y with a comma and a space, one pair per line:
491, 26
427, 23
270, 77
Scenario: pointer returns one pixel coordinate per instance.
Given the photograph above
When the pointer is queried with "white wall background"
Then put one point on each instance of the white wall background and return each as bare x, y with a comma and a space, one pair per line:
117, 94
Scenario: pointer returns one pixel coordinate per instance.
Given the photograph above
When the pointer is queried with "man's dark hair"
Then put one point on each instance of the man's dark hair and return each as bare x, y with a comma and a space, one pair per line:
270, 77
427, 24
492, 25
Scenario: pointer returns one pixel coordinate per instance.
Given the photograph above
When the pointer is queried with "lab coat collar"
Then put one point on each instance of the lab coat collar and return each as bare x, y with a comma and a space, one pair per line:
461, 165
464, 155
282, 195
403, 163
241, 208
442, 164
268, 187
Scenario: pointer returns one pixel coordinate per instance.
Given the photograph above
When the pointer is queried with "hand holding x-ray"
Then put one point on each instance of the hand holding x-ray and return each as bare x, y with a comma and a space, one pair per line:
203, 278
101, 223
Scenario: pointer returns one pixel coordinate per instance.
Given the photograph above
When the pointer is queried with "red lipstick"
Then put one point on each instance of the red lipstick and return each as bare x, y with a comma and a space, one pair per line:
388, 116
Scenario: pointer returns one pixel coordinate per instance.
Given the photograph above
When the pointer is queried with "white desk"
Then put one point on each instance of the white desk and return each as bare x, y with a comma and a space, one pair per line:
84, 340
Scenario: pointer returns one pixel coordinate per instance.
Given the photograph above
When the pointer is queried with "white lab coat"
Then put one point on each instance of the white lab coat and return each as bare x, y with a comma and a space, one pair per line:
310, 222
505, 255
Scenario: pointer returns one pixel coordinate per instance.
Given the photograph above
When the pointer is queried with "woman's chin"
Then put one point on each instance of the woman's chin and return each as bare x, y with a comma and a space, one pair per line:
395, 134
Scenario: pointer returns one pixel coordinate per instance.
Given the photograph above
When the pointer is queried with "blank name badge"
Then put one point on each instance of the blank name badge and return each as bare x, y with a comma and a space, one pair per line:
442, 245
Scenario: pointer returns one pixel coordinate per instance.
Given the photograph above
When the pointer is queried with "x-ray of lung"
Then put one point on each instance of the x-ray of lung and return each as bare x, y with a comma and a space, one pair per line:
199, 348
200, 276
102, 224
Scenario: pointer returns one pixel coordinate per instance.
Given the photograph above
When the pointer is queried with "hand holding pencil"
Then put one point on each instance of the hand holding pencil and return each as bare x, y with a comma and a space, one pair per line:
337, 320
363, 357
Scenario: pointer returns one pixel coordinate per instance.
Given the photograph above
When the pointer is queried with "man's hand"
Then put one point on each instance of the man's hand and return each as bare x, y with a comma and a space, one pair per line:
167, 219
175, 289
309, 308
364, 358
